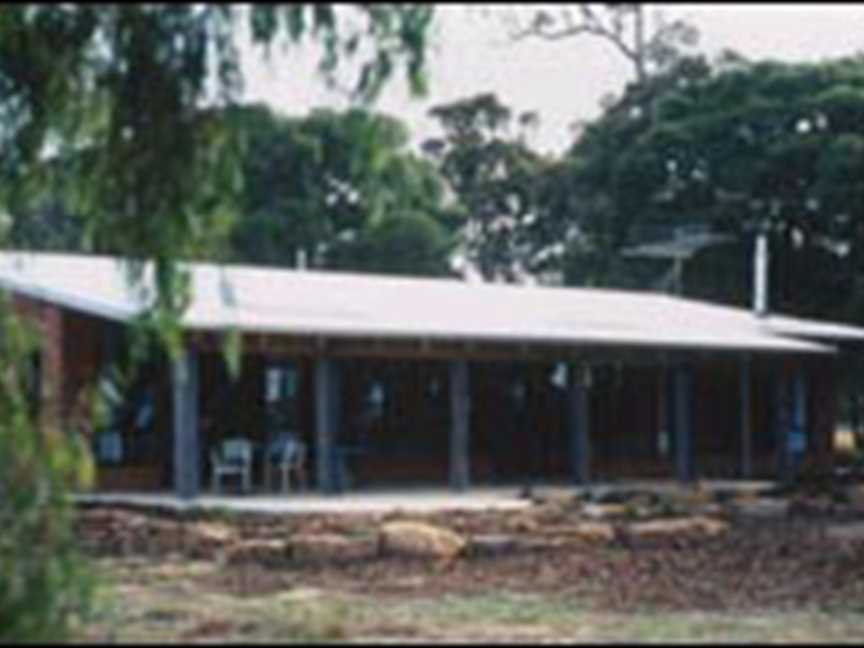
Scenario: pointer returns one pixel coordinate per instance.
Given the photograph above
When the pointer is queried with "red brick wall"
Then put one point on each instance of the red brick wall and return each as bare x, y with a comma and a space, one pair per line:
48, 321
70, 358
82, 359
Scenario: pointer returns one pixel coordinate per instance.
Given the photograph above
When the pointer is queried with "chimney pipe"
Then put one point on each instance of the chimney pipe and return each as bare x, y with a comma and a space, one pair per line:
760, 275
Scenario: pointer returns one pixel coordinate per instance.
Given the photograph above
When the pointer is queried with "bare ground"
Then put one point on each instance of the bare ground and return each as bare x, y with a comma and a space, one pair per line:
763, 580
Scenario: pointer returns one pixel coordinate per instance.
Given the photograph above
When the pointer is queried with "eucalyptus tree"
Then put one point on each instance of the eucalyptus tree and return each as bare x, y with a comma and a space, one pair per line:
111, 100
605, 183
410, 243
655, 50
737, 144
496, 178
648, 42
328, 184
127, 82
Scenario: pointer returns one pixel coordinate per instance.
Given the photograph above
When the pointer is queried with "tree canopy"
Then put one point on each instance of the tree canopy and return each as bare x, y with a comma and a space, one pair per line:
495, 177
338, 186
739, 145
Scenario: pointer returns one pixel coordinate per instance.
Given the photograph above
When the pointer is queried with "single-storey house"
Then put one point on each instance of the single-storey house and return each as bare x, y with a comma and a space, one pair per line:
393, 380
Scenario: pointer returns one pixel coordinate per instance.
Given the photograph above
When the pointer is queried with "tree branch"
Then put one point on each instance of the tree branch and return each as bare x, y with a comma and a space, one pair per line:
544, 26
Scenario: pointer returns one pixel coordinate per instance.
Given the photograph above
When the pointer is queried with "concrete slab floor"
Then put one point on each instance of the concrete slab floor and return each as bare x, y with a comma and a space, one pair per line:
372, 502
407, 499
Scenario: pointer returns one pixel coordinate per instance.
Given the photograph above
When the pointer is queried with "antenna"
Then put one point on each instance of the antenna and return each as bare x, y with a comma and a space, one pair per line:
685, 243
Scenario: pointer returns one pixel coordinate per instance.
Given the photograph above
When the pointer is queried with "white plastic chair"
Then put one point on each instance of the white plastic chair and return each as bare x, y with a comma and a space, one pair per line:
287, 454
233, 457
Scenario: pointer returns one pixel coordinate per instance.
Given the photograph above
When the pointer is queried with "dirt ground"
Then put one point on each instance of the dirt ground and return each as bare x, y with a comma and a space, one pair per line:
765, 578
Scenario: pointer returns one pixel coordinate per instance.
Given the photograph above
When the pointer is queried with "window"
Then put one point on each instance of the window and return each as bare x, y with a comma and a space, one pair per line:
281, 383
375, 399
127, 434
282, 394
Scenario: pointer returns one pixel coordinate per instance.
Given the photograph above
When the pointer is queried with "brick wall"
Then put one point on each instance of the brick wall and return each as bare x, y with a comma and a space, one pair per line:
82, 359
48, 321
70, 359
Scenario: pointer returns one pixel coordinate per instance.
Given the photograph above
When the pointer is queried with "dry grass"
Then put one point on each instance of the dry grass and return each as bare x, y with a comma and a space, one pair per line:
146, 601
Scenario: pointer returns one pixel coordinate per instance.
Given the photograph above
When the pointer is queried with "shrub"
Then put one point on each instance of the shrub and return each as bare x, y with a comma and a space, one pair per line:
44, 583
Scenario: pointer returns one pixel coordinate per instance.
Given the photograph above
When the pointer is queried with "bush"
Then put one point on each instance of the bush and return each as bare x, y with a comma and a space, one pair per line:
44, 582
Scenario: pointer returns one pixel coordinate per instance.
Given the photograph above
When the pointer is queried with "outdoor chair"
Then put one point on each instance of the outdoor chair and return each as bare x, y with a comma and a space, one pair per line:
232, 458
287, 454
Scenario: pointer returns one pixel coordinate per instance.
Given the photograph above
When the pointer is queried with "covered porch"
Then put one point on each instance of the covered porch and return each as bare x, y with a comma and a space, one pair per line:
377, 414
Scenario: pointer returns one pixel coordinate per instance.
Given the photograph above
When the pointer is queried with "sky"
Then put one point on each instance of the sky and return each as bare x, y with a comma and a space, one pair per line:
563, 81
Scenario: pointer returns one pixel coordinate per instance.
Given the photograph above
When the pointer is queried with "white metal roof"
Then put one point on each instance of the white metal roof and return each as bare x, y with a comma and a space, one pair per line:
797, 327
254, 298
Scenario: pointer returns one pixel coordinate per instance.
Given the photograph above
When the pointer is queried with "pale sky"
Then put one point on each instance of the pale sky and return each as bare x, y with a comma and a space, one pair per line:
563, 80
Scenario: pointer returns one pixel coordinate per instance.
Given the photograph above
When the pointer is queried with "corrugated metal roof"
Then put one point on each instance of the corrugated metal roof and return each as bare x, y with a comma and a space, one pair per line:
254, 298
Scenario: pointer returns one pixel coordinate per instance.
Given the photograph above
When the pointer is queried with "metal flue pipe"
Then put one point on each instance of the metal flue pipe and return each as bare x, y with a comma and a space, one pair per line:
760, 274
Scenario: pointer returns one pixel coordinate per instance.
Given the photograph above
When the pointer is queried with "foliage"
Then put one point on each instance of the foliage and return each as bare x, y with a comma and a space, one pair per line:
411, 244
328, 184
46, 226
339, 186
736, 145
43, 582
496, 179
604, 205
118, 107
127, 83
